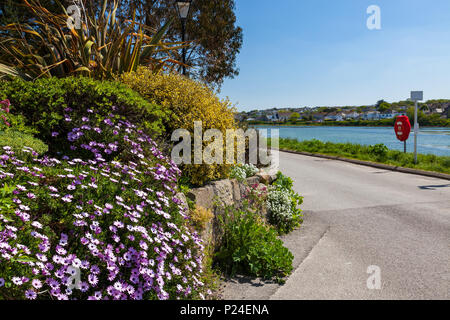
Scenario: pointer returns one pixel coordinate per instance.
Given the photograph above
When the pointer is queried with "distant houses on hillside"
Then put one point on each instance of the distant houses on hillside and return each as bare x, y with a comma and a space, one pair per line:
323, 114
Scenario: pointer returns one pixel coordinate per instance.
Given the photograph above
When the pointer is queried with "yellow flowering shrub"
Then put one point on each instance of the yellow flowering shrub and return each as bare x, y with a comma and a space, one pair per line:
186, 101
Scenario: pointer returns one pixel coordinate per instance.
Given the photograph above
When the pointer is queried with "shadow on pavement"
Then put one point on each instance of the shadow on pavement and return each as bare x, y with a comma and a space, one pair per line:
434, 187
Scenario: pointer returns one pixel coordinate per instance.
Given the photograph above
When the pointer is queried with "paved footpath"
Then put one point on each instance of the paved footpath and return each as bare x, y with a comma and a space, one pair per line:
356, 217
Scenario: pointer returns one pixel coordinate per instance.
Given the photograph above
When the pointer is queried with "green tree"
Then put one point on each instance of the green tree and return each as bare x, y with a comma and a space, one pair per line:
384, 106
379, 102
295, 116
215, 39
422, 118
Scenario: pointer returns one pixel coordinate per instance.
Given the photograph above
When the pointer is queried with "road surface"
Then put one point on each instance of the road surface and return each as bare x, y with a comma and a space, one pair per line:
356, 217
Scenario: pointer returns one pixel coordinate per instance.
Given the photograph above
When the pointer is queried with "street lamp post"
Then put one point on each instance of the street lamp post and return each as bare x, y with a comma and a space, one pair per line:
183, 8
416, 96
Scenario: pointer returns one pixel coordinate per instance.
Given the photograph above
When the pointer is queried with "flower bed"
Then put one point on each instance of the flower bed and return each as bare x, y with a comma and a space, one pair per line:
104, 225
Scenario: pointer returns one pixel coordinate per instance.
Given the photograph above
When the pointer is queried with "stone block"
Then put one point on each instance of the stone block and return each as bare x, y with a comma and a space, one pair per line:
223, 191
203, 197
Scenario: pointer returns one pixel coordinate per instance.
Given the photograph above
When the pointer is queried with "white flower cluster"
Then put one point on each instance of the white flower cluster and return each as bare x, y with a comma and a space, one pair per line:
242, 172
250, 170
279, 204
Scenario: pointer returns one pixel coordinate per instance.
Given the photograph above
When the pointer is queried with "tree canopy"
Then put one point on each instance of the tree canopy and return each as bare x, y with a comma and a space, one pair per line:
215, 39
295, 116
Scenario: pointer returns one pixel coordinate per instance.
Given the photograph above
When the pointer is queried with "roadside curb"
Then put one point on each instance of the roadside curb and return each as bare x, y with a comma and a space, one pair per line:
374, 164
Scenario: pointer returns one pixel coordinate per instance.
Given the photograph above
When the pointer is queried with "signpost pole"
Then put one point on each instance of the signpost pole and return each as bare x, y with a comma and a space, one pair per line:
404, 145
416, 96
416, 131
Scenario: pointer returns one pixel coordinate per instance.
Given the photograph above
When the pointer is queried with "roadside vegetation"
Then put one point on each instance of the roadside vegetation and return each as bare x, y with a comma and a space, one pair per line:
250, 244
251, 247
88, 192
375, 153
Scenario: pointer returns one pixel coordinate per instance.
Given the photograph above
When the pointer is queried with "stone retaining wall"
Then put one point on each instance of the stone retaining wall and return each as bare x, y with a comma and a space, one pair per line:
226, 193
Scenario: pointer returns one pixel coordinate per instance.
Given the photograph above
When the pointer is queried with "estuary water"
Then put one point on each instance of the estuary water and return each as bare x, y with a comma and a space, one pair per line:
430, 140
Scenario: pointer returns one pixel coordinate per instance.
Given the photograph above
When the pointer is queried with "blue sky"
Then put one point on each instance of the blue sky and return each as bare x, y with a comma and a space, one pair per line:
320, 53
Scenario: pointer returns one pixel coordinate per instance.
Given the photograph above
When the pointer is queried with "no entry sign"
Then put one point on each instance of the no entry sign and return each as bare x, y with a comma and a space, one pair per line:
402, 128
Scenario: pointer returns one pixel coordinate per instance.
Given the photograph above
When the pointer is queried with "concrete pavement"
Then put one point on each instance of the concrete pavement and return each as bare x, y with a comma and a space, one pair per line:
356, 217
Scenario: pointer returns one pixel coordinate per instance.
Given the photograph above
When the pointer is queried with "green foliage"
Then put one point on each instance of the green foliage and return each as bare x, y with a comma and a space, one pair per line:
186, 102
9, 120
215, 37
295, 116
384, 106
250, 247
18, 140
16, 122
283, 182
378, 153
100, 47
45, 102
6, 203
283, 205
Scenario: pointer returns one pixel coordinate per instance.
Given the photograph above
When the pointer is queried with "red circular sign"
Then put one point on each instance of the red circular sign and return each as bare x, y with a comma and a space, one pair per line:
402, 128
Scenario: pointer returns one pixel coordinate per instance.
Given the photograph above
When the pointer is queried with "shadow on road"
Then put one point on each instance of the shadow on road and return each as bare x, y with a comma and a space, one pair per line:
255, 282
434, 187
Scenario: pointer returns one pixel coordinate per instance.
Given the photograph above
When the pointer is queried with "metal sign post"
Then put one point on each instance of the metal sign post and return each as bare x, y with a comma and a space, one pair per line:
416, 96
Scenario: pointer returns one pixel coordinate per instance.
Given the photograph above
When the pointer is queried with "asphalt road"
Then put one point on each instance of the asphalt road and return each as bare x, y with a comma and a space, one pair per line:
356, 217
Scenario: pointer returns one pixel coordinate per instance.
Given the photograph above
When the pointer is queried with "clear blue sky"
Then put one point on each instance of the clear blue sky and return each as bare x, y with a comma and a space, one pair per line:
320, 53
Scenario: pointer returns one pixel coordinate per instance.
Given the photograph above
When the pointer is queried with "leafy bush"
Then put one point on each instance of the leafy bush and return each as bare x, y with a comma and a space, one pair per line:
4, 110
117, 224
187, 101
283, 205
44, 46
8, 120
380, 151
283, 182
446, 162
21, 143
241, 172
45, 105
250, 247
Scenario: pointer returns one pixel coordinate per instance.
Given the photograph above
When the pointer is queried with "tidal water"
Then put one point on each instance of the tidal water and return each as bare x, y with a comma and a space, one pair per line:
430, 140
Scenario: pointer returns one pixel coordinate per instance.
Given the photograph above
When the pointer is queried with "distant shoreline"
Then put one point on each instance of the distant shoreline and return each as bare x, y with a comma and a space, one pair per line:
338, 125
